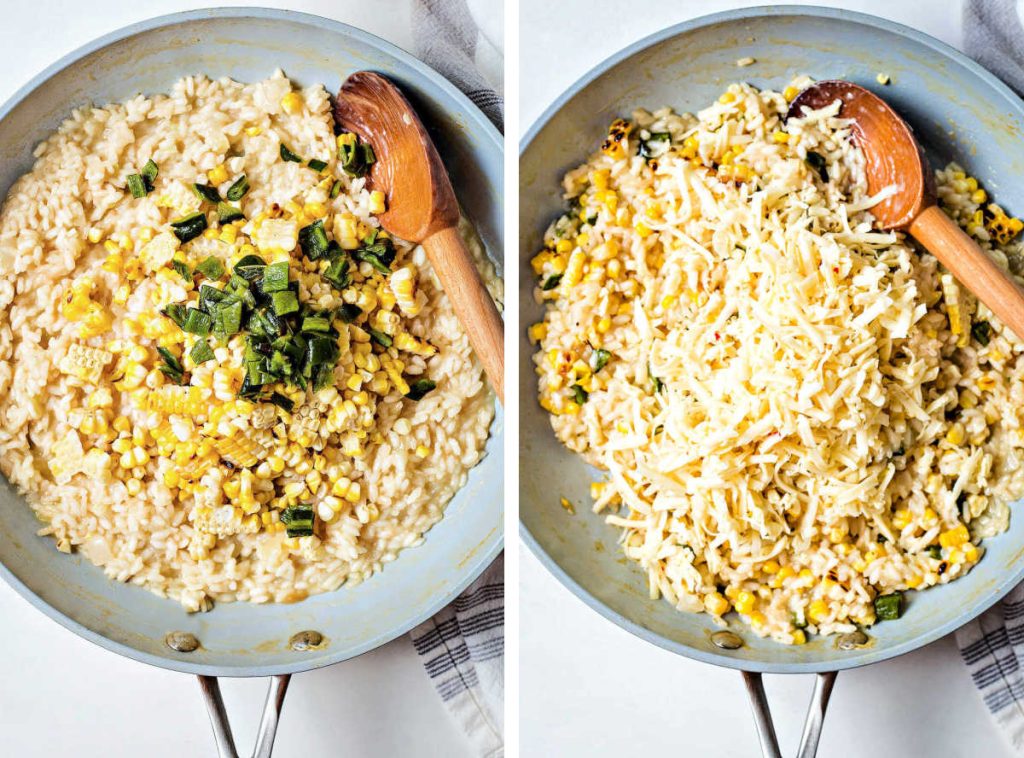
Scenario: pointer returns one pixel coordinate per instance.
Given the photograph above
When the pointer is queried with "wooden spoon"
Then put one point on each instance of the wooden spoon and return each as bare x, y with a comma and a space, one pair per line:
421, 205
893, 158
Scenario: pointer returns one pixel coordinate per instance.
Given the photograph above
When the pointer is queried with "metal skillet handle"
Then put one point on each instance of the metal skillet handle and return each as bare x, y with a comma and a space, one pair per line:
812, 724
268, 724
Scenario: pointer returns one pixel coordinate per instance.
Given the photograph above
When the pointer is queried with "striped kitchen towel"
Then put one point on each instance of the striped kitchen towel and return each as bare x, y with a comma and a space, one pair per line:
463, 651
463, 647
992, 645
462, 39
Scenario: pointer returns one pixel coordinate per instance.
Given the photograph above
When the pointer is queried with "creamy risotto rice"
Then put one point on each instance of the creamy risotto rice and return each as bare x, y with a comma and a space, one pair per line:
799, 417
219, 380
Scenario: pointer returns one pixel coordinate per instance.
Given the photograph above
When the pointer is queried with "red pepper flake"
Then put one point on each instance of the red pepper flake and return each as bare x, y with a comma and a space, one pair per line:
717, 336
835, 269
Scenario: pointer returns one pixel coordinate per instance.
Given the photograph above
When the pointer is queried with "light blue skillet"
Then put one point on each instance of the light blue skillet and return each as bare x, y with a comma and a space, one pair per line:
240, 639
958, 110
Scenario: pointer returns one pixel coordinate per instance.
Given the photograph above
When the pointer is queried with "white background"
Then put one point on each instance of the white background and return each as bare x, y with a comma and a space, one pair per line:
62, 696
588, 688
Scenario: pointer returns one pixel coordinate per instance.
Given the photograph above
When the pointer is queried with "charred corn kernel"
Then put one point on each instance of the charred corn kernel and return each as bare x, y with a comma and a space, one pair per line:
817, 611
798, 637
771, 567
378, 203
614, 145
954, 537
790, 92
291, 103
715, 604
218, 174
780, 137
744, 602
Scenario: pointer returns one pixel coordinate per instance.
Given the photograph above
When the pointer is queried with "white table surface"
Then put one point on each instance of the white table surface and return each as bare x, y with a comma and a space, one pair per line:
62, 696
588, 688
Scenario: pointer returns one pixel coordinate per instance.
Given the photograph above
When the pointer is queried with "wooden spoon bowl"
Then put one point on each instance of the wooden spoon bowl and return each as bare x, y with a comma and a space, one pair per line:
421, 205
893, 158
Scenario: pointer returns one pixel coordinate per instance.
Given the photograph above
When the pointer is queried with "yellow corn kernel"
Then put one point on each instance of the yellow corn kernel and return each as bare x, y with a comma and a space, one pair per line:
537, 332
780, 137
642, 229
604, 325
817, 611
798, 637
901, 518
970, 552
727, 97
715, 604
744, 602
979, 196
563, 246
422, 451
955, 536
254, 131
218, 174
229, 234
410, 344
987, 383
291, 103
378, 202
786, 572
915, 581
189, 401
771, 567
241, 450
790, 92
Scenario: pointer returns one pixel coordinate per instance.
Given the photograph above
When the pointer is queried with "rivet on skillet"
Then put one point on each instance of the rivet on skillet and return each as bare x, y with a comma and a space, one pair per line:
305, 641
727, 640
182, 642
852, 640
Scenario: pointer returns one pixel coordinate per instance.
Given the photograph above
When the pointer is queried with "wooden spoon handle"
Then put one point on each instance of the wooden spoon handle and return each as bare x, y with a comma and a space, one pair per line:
971, 266
461, 281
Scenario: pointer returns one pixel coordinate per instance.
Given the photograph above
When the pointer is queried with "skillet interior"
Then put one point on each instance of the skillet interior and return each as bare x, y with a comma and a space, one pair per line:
239, 639
959, 111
